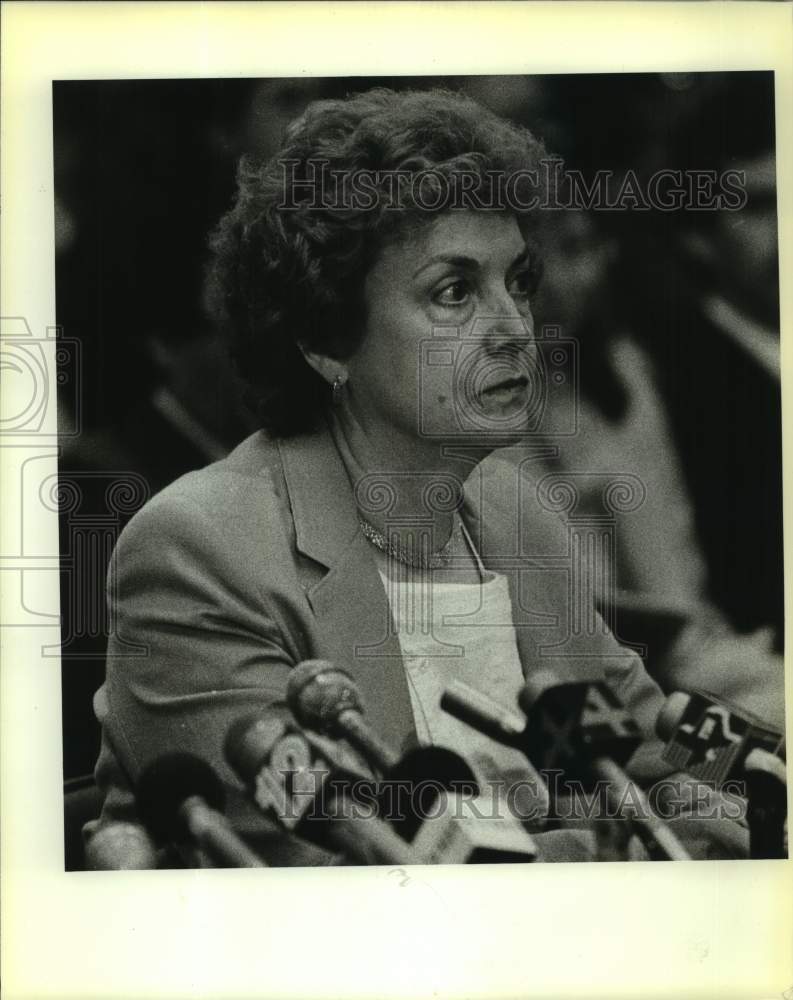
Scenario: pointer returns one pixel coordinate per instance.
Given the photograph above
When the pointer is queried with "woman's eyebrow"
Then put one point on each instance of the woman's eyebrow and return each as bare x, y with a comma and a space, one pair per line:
469, 263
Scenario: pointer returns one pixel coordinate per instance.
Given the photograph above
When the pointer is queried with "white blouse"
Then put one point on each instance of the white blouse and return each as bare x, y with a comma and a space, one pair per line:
461, 631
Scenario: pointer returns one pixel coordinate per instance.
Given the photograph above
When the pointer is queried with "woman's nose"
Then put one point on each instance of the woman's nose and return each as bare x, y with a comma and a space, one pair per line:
504, 319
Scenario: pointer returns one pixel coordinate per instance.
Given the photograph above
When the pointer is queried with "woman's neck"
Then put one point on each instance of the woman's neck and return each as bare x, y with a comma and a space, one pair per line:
402, 485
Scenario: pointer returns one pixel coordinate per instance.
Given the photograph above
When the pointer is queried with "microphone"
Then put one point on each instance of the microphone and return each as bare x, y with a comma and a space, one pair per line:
179, 797
120, 847
766, 787
249, 737
564, 723
578, 728
582, 728
450, 812
710, 738
717, 742
572, 724
325, 698
312, 788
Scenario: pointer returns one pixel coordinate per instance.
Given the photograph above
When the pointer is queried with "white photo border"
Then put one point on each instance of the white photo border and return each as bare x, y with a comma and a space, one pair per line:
701, 929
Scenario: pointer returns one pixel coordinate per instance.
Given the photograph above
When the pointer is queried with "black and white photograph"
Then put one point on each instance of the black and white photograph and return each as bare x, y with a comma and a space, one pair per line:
394, 498
434, 427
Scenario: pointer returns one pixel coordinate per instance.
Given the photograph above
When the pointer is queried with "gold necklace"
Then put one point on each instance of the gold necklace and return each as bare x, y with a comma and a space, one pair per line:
392, 547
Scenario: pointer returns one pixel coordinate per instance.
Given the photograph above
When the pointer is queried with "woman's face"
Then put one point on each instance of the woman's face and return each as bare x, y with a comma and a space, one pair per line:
448, 351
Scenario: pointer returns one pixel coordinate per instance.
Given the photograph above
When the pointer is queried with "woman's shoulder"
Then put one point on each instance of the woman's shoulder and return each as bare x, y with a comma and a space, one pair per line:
240, 493
505, 503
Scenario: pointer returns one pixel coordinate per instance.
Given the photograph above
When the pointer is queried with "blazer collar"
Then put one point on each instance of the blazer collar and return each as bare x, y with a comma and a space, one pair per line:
355, 626
321, 496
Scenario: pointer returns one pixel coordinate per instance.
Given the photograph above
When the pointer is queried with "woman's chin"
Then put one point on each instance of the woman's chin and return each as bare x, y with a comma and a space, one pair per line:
488, 438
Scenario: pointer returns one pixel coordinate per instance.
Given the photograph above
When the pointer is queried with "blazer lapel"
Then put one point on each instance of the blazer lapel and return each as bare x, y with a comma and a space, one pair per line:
354, 622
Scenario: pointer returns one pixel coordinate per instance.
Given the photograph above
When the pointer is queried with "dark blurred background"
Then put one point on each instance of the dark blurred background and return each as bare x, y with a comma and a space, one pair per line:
676, 314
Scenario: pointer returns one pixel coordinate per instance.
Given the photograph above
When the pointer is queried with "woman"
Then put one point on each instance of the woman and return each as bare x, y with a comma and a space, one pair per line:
386, 327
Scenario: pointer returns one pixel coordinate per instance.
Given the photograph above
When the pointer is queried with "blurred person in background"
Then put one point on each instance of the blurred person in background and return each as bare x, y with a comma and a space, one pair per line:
701, 296
677, 321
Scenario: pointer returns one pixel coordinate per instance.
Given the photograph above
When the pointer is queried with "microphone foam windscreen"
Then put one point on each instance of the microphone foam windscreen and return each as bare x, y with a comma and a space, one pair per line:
164, 786
318, 692
120, 847
250, 739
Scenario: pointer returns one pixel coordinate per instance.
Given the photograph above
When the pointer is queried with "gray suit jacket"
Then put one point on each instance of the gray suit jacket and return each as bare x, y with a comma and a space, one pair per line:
233, 574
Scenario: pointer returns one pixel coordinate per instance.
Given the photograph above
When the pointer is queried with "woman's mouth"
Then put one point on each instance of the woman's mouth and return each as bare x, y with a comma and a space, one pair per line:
505, 390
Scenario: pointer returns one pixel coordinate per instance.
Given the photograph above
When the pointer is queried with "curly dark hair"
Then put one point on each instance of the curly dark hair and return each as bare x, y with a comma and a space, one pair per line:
288, 267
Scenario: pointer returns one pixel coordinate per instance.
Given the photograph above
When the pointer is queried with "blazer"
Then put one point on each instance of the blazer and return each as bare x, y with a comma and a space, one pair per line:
235, 573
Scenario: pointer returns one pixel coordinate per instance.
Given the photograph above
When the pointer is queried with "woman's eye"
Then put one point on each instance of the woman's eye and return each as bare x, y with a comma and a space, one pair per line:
454, 294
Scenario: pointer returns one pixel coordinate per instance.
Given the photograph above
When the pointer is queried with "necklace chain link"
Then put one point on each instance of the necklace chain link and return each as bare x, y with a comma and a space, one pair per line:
393, 548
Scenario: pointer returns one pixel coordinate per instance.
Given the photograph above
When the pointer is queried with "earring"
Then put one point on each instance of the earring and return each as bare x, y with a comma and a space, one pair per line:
337, 388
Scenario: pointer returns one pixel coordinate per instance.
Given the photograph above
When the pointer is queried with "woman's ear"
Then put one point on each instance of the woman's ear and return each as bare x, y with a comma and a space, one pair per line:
331, 370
